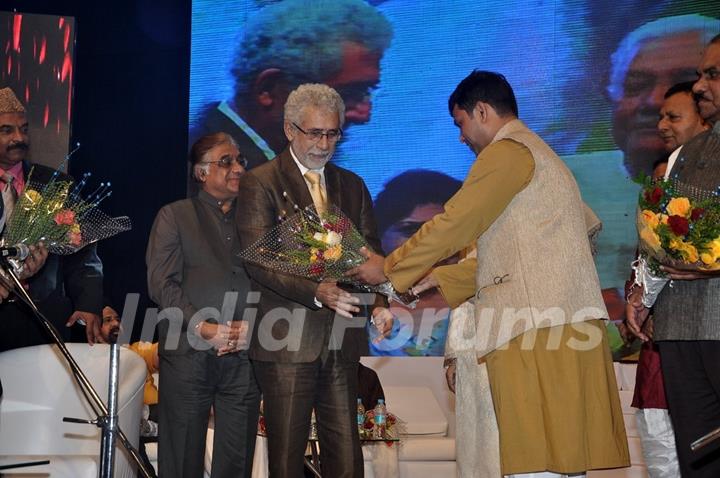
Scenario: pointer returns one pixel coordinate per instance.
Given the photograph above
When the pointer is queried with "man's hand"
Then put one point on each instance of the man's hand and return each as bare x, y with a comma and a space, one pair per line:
382, 319
226, 339
371, 271
34, 261
426, 283
92, 322
451, 374
684, 274
333, 297
237, 337
636, 314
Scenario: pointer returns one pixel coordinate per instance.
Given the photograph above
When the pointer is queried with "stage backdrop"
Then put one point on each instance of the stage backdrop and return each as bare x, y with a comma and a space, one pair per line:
589, 77
37, 63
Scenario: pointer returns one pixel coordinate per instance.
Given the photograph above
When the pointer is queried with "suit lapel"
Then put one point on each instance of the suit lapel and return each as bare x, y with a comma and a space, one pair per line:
292, 181
333, 186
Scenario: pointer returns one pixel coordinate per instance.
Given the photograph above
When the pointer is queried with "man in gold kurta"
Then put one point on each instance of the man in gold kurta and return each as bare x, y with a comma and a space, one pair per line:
538, 305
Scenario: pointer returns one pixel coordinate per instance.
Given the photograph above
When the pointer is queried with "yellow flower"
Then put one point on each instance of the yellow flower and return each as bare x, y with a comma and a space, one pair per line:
333, 253
679, 207
650, 218
649, 238
33, 196
75, 228
712, 255
688, 251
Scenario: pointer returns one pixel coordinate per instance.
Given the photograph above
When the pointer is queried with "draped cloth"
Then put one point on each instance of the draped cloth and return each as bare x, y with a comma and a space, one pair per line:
477, 441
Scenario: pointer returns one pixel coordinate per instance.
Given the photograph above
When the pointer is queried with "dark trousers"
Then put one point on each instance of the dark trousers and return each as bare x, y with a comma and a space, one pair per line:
290, 392
191, 384
692, 383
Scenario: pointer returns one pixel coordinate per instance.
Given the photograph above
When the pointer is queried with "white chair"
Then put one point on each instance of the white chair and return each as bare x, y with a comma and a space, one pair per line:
415, 392
39, 391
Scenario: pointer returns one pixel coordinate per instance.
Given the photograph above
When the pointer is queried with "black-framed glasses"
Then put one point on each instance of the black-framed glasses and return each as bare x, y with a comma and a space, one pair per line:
316, 134
226, 161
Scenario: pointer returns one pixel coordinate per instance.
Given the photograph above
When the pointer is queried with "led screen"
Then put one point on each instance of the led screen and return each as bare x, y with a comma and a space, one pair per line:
589, 77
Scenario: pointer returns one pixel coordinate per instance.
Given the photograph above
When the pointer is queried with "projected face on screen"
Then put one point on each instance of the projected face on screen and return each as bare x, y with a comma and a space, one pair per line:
288, 43
649, 75
589, 78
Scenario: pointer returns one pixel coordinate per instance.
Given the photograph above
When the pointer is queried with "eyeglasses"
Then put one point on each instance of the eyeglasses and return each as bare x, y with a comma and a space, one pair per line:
226, 162
316, 134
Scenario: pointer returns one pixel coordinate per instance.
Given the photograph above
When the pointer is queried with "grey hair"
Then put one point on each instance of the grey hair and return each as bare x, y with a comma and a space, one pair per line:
201, 148
305, 39
631, 44
313, 94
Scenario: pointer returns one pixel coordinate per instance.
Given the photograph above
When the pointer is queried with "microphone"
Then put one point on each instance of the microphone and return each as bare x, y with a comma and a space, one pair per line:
18, 252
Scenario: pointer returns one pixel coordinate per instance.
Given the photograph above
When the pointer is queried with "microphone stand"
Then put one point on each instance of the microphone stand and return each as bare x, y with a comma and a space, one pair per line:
104, 420
109, 433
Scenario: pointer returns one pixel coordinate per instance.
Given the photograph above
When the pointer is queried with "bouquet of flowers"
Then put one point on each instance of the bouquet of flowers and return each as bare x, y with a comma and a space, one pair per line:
393, 426
317, 247
310, 245
56, 214
679, 226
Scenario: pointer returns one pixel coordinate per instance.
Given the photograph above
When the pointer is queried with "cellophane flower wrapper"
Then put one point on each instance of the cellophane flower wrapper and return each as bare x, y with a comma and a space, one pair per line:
56, 214
652, 282
678, 226
310, 245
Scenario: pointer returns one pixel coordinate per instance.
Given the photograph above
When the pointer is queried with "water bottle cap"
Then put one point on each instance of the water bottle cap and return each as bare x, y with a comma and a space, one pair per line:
359, 400
381, 400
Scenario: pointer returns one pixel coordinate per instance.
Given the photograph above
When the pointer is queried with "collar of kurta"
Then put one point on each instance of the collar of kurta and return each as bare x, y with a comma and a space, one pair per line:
509, 128
214, 202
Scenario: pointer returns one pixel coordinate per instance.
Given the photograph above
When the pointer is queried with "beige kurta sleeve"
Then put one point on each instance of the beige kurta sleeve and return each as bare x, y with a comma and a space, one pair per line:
500, 171
456, 282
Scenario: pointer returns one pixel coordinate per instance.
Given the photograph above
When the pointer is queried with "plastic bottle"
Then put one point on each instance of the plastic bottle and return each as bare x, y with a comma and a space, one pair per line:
380, 419
360, 417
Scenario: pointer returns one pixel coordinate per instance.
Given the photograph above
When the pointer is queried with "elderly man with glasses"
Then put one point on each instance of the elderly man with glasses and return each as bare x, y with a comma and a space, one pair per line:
309, 337
194, 276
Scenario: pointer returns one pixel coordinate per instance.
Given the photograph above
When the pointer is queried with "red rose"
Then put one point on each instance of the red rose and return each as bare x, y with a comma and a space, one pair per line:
697, 213
654, 196
344, 225
678, 225
317, 269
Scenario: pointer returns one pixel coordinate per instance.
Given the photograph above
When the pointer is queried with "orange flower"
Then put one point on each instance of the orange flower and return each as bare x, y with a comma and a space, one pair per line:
650, 218
333, 253
74, 238
66, 217
679, 207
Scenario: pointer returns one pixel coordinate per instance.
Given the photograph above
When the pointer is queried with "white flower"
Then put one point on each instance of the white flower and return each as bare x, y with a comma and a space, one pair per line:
319, 236
333, 238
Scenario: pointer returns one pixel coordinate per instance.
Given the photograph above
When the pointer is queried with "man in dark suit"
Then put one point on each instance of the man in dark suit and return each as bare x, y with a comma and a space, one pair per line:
194, 272
306, 344
67, 289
